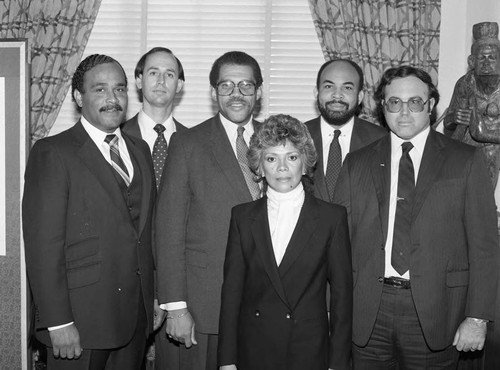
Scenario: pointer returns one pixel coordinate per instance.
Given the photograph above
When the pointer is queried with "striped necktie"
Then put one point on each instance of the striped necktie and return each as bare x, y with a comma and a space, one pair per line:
116, 159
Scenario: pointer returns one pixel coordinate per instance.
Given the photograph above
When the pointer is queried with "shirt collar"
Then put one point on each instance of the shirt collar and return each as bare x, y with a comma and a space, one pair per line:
418, 142
148, 122
328, 129
232, 128
96, 134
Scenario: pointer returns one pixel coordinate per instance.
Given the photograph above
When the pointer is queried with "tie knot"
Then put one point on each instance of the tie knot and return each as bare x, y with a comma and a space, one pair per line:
111, 139
336, 134
407, 146
240, 130
159, 128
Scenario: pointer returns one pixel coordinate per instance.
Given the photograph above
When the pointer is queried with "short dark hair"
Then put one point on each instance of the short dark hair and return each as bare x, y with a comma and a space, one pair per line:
401, 72
348, 61
139, 68
236, 58
276, 130
86, 65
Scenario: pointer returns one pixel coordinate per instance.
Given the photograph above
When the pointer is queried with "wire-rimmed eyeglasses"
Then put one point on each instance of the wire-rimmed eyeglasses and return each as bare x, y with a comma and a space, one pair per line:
225, 88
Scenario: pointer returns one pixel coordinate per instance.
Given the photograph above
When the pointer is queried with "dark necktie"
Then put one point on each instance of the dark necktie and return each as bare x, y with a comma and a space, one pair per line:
116, 159
402, 222
159, 153
334, 164
241, 154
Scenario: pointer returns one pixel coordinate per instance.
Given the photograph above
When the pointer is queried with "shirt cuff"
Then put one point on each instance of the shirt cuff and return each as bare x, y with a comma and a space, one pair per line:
173, 306
52, 328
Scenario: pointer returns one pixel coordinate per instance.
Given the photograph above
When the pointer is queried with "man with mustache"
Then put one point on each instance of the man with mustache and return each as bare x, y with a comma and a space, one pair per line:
337, 131
206, 174
87, 216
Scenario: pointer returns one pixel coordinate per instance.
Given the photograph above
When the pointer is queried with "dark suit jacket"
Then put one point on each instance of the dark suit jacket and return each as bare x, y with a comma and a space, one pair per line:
203, 181
363, 133
131, 127
275, 317
454, 238
85, 259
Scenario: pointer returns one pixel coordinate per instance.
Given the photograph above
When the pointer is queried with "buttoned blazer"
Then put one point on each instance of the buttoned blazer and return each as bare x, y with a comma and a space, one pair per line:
454, 238
131, 127
203, 181
276, 317
363, 133
85, 259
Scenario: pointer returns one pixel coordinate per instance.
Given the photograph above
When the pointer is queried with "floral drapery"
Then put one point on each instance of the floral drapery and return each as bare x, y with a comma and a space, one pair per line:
57, 31
378, 35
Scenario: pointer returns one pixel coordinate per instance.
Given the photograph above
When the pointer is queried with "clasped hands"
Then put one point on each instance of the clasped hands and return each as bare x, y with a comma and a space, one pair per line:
180, 327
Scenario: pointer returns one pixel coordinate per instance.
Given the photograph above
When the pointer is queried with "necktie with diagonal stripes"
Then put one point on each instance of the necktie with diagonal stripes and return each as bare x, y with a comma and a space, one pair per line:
116, 159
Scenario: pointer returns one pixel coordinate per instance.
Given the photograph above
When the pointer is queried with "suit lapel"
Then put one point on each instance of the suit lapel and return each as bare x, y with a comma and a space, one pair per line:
381, 172
432, 161
319, 174
306, 224
225, 157
99, 167
358, 137
264, 245
132, 127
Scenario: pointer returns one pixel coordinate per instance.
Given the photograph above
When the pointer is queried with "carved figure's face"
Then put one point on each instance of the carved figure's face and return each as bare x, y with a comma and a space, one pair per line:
487, 61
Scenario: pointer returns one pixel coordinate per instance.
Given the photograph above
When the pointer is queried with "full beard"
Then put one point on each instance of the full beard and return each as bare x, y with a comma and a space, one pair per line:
336, 118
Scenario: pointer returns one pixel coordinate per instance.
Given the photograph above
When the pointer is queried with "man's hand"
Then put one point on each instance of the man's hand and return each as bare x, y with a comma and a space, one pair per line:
470, 335
228, 367
66, 342
158, 316
180, 327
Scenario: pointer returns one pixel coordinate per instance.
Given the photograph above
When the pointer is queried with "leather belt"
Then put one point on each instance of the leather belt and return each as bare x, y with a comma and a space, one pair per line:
397, 282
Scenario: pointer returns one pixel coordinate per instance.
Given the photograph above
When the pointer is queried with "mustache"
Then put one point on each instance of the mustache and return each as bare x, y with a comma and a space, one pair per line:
236, 100
117, 107
337, 101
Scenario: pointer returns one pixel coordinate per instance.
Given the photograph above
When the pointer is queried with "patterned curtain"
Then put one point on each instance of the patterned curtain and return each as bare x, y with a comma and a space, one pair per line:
378, 35
57, 31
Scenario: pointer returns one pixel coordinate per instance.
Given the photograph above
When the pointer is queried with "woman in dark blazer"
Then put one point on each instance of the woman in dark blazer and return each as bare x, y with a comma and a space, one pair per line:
281, 252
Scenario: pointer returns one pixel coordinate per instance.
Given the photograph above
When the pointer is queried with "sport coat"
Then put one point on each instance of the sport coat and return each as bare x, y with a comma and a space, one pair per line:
363, 133
85, 259
276, 317
131, 127
454, 240
203, 181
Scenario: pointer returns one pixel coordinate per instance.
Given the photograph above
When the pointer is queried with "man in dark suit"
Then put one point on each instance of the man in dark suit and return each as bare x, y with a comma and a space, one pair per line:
87, 210
159, 76
338, 131
423, 235
206, 174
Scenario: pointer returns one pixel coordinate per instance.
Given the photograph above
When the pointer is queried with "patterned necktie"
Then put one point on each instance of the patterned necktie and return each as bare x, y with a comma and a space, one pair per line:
241, 154
116, 160
402, 223
334, 164
159, 153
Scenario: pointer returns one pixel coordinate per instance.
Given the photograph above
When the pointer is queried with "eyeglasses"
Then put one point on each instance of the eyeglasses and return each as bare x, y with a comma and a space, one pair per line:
415, 104
225, 88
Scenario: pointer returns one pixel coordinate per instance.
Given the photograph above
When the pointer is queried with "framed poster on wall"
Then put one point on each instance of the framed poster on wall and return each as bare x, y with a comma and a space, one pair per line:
14, 126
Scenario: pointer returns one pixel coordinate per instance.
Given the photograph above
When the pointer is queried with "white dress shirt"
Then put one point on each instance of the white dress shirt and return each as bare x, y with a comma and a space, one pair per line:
327, 133
283, 210
147, 127
416, 157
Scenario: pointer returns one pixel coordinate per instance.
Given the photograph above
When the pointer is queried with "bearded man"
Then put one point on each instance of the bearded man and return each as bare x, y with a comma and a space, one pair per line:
338, 130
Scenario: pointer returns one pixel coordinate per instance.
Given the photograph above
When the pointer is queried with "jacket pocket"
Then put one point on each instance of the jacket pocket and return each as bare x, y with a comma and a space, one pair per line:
83, 262
457, 278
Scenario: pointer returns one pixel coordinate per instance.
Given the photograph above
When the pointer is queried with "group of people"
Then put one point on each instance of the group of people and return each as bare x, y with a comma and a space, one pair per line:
330, 244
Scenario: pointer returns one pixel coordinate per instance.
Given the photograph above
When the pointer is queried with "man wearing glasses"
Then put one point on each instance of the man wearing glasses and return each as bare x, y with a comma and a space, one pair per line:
206, 174
423, 233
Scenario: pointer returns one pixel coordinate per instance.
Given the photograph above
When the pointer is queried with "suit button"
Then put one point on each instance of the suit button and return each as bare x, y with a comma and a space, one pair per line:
288, 316
382, 246
257, 313
138, 272
380, 279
